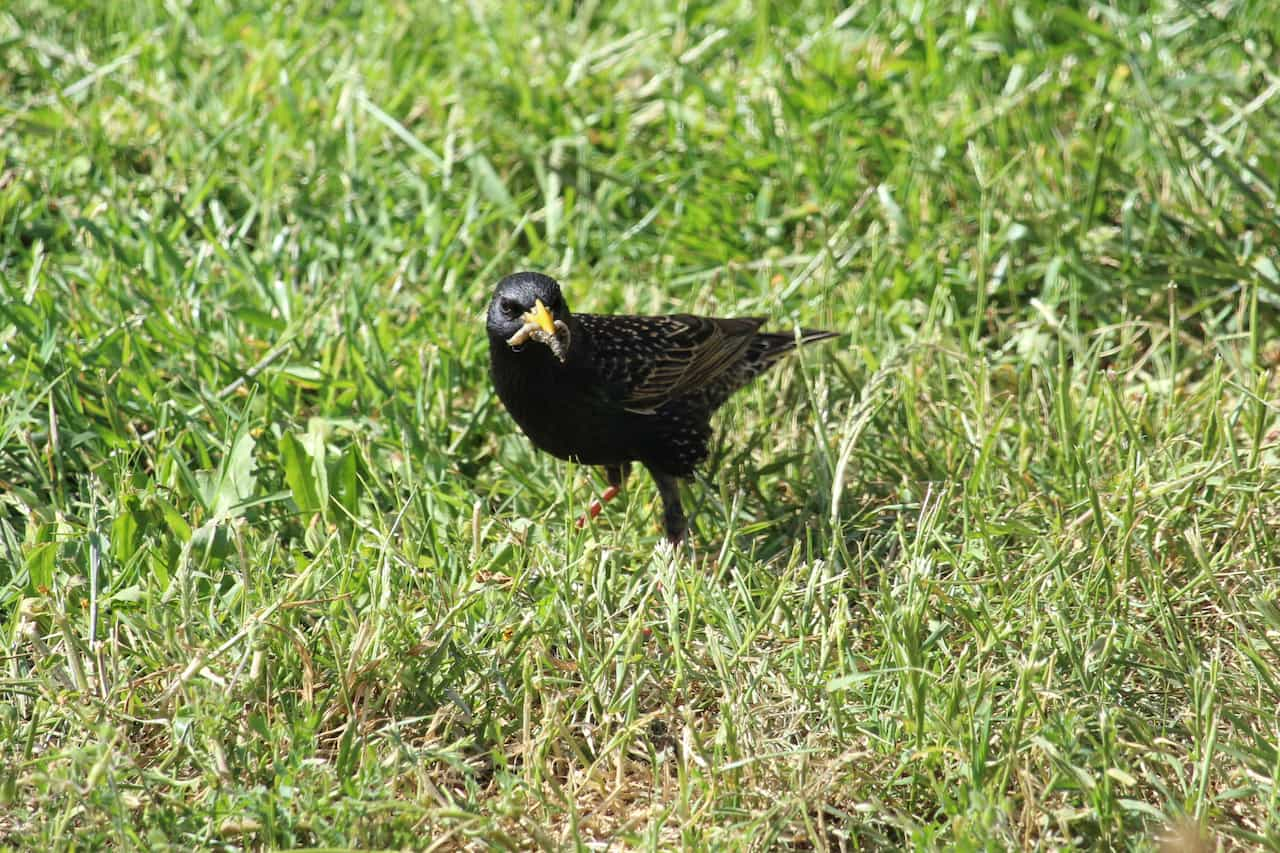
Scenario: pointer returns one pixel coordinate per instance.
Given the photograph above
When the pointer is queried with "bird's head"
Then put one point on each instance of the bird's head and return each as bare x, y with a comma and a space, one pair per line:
527, 306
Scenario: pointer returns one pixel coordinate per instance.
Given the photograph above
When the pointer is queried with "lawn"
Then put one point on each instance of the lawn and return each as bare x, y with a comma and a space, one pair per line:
997, 569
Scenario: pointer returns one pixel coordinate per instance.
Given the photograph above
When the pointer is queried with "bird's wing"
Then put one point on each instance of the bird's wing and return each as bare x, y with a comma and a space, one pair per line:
652, 360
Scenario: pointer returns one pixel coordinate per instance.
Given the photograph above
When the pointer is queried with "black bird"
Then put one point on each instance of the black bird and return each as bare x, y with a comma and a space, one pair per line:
612, 389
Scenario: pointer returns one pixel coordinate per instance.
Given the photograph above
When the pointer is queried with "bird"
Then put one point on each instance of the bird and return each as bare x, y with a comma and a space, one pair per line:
613, 389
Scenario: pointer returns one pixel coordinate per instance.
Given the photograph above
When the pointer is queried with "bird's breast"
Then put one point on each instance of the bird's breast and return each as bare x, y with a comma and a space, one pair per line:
560, 408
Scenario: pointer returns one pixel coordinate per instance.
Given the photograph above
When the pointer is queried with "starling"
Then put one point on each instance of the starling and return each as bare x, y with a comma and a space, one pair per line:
615, 389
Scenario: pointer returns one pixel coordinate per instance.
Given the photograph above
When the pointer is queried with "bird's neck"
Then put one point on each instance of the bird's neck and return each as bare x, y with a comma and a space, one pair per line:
534, 366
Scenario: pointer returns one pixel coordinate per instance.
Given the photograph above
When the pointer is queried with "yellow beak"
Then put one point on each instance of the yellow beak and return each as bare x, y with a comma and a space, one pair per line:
541, 316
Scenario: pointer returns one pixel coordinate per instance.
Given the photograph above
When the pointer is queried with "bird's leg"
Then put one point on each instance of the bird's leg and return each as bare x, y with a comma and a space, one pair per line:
673, 520
616, 475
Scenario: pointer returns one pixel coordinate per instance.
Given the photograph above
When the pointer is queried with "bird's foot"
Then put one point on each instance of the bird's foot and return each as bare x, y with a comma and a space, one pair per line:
674, 523
597, 505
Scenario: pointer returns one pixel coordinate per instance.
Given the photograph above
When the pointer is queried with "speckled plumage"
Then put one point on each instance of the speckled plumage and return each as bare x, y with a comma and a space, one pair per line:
631, 388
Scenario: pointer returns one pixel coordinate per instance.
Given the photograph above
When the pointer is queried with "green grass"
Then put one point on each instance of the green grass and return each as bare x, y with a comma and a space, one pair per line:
997, 570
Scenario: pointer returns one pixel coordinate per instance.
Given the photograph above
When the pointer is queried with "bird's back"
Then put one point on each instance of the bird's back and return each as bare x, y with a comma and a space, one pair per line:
670, 373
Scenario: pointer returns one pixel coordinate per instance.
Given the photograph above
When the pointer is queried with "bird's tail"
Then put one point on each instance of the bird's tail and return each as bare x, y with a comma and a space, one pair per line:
770, 345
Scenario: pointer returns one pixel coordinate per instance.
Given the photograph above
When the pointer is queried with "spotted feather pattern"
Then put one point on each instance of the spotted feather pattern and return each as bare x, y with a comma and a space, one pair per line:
655, 361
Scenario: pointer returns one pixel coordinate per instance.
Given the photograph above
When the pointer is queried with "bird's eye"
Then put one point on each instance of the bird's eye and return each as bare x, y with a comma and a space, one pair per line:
510, 307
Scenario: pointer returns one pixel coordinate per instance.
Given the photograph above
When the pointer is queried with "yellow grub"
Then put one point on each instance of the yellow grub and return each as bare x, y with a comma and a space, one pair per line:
541, 327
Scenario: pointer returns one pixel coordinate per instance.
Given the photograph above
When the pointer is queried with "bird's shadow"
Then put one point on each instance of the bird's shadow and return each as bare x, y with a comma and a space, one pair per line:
766, 504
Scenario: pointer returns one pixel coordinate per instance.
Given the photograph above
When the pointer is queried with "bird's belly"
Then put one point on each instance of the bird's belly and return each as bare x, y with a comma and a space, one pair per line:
572, 427
583, 437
